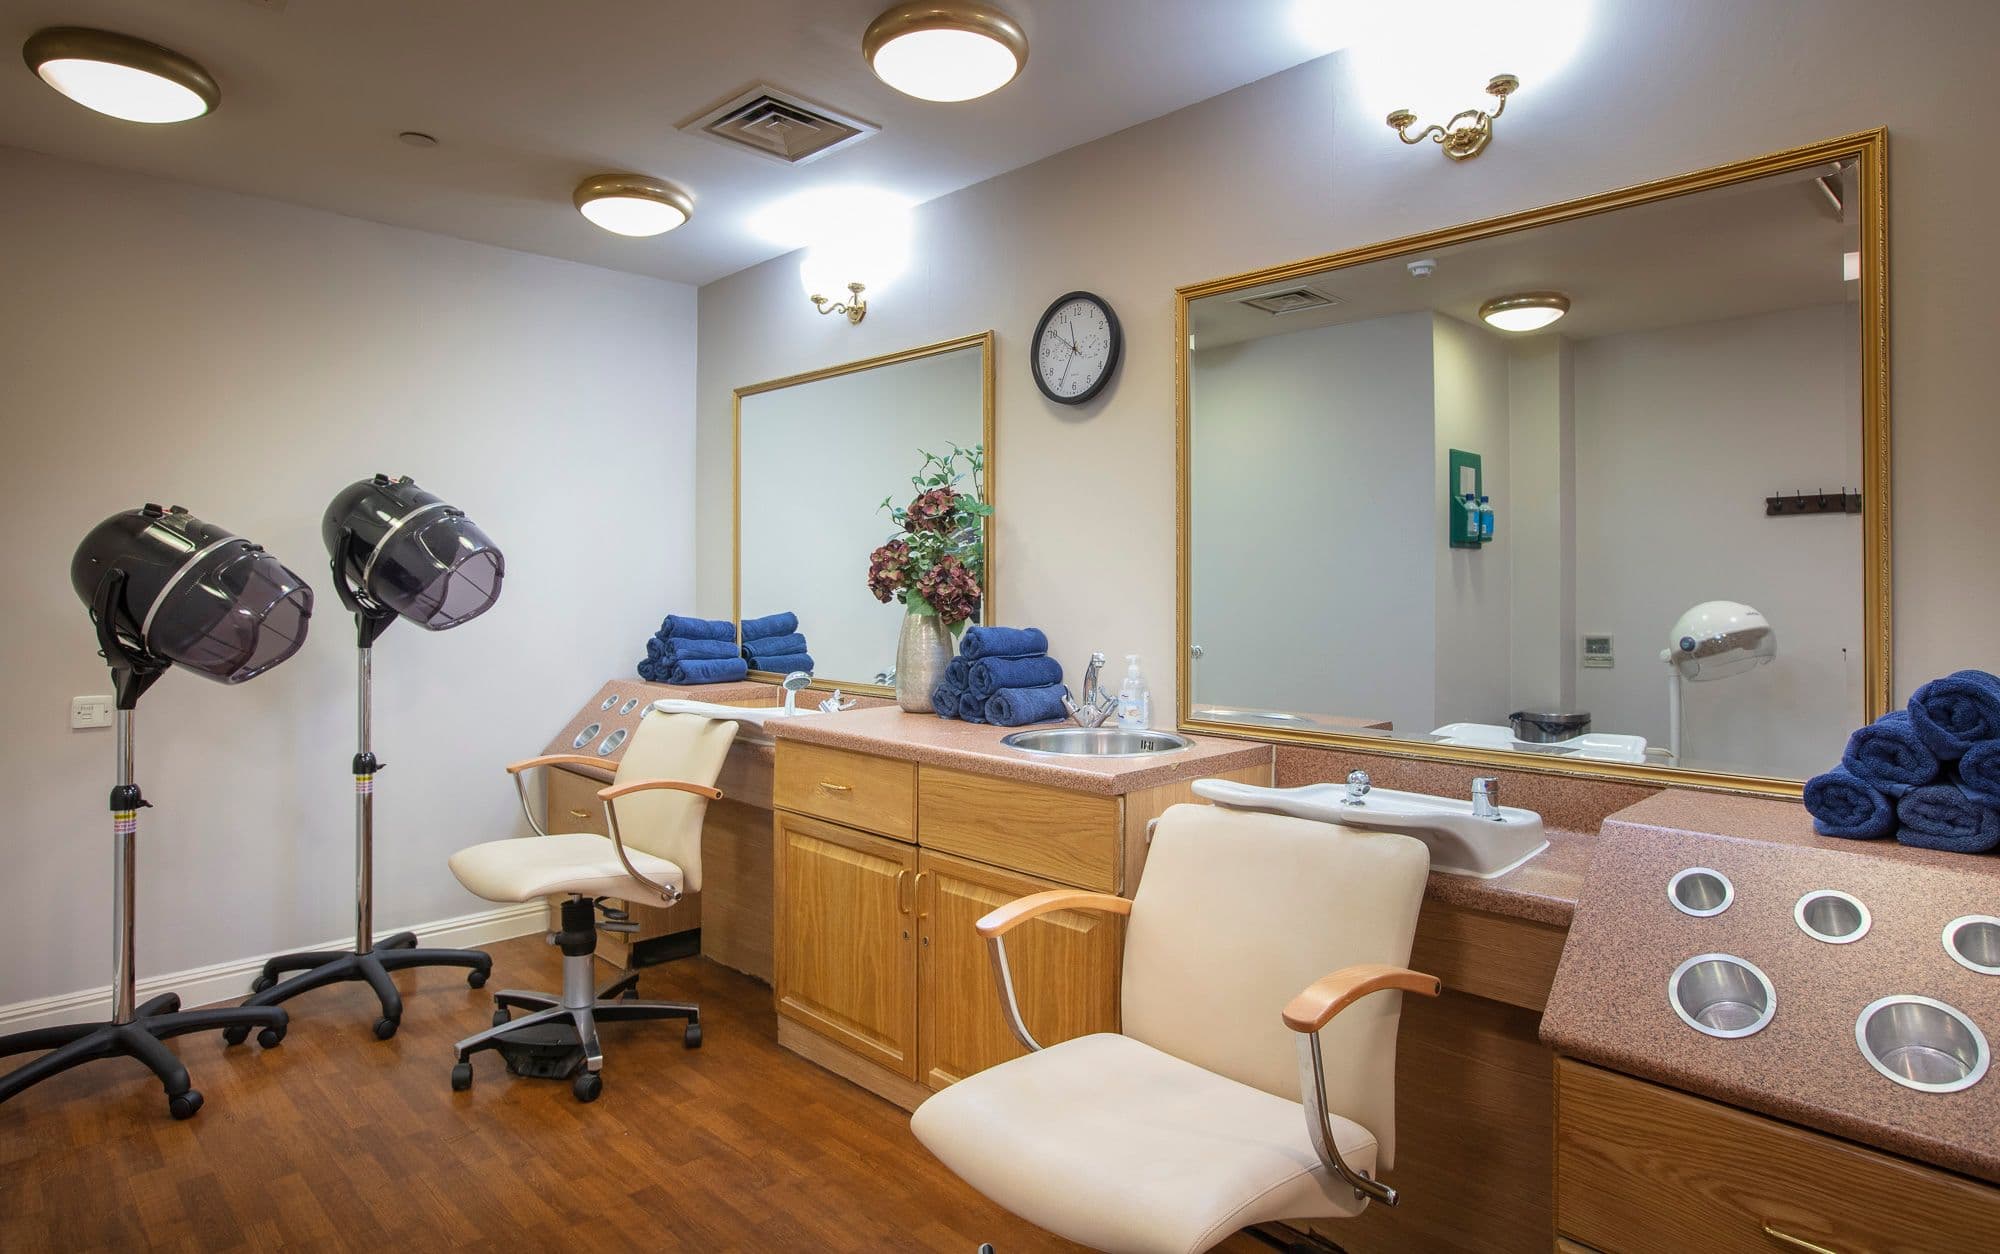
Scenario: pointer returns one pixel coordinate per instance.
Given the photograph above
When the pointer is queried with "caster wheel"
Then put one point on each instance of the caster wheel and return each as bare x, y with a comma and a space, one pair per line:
692, 1037
501, 1017
631, 994
461, 1077
386, 1028
236, 1036
587, 1086
185, 1105
476, 978
270, 1038
262, 983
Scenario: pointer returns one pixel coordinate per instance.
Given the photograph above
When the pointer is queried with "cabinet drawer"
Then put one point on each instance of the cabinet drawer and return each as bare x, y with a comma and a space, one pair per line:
1069, 837
875, 794
1642, 1168
573, 804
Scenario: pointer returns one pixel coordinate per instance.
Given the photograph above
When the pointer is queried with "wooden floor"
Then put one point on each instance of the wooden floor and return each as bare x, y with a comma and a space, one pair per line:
336, 1140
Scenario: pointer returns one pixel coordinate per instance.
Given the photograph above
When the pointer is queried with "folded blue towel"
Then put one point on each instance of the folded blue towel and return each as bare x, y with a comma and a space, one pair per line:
770, 625
989, 675
652, 670
698, 628
784, 663
677, 649
1979, 773
774, 646
945, 698
1842, 805
982, 642
958, 673
1889, 756
1957, 712
1017, 707
1941, 816
971, 708
707, 671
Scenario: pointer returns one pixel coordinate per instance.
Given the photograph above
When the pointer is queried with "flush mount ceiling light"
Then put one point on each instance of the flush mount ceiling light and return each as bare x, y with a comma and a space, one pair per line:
946, 50
1528, 311
633, 204
121, 76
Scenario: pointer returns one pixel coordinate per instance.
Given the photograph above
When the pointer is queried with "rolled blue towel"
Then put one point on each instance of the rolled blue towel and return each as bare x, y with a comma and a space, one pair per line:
989, 675
770, 625
1957, 712
652, 670
1979, 773
945, 698
1889, 756
785, 663
774, 646
971, 708
1843, 805
708, 671
1017, 707
681, 628
676, 649
982, 642
958, 673
1942, 817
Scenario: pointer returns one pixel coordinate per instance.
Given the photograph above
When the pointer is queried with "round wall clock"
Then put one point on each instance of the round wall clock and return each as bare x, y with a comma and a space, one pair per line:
1076, 348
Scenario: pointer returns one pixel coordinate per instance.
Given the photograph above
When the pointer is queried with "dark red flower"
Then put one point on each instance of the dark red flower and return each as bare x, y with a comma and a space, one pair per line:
889, 570
933, 510
950, 589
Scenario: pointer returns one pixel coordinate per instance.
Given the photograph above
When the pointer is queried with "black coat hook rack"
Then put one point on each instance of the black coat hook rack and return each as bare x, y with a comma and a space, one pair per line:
1814, 502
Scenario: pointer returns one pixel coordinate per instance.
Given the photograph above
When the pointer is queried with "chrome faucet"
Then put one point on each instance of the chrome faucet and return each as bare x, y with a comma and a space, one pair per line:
834, 705
1097, 706
1486, 797
1358, 785
795, 683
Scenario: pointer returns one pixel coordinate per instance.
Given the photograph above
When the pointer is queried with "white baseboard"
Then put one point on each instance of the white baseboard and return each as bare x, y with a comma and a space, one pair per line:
230, 981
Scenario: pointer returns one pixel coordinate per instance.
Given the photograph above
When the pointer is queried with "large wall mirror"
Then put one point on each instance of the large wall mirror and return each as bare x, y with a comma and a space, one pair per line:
1601, 487
816, 455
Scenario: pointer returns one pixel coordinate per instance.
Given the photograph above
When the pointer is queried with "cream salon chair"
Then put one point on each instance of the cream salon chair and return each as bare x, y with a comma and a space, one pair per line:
654, 810
1246, 1085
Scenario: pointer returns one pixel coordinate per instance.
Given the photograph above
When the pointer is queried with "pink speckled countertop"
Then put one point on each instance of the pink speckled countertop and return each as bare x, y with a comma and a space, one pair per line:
891, 732
639, 694
1609, 1003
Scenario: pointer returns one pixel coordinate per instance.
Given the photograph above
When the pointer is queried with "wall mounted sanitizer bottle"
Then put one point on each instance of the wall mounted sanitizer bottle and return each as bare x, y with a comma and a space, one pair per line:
1485, 520
1135, 703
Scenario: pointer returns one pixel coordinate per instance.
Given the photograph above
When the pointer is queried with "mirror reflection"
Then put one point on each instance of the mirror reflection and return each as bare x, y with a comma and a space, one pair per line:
817, 456
1590, 490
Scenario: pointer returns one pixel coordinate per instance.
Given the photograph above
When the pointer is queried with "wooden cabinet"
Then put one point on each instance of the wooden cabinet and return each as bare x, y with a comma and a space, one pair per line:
874, 794
1641, 1168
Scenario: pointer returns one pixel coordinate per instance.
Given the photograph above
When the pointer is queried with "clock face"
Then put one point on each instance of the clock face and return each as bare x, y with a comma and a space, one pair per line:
1076, 348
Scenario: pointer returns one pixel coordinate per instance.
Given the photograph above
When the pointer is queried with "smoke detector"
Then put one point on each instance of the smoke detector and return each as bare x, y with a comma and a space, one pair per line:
1422, 267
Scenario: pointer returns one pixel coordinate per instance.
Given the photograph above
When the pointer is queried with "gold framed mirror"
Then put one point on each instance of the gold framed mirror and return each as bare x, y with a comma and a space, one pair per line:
818, 457
1510, 493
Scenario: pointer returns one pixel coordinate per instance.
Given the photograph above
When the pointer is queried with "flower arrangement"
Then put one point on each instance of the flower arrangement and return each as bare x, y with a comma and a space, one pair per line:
936, 564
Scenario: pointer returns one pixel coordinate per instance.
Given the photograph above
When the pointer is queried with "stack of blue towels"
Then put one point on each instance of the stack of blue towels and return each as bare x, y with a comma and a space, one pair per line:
1002, 675
774, 643
1929, 775
693, 651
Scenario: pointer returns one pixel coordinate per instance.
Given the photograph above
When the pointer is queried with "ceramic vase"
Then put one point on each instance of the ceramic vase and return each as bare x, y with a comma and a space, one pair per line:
922, 652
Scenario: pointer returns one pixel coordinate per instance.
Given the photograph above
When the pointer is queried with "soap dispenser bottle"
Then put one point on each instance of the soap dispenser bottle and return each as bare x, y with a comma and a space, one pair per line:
1485, 519
1135, 703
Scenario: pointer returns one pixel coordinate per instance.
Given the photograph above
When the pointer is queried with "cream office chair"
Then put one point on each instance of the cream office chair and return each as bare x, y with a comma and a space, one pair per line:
1247, 1084
654, 809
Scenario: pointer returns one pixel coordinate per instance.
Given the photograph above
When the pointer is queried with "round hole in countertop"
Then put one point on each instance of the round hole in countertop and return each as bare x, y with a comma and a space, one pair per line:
628, 707
1973, 941
609, 702
612, 742
587, 735
1700, 891
1721, 995
1827, 914
1921, 1043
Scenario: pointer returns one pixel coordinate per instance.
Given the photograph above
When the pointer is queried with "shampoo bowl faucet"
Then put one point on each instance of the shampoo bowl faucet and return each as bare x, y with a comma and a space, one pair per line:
1098, 706
1486, 797
795, 683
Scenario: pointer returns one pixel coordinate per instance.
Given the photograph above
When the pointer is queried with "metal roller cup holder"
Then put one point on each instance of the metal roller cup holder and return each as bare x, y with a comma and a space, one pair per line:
612, 742
1700, 891
1721, 995
1921, 1043
1973, 941
609, 702
1827, 914
628, 707
587, 735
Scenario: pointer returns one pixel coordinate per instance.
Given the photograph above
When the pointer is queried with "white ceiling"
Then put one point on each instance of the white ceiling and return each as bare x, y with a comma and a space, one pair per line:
528, 97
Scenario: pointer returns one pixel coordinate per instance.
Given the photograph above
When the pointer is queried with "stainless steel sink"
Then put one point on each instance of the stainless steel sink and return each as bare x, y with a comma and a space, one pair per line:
1094, 742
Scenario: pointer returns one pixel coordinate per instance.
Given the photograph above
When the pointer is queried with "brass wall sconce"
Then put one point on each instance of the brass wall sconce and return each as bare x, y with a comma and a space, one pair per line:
1466, 135
854, 307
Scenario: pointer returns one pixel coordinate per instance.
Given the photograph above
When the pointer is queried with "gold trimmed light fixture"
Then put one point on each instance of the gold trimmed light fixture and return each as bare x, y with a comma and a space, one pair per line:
1468, 132
1523, 312
121, 76
854, 307
633, 204
945, 50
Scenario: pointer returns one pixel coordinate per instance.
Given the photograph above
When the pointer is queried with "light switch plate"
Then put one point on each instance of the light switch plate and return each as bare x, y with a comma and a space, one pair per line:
89, 712
1598, 653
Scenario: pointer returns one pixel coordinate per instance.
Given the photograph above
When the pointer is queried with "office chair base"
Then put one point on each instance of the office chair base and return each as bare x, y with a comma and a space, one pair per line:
74, 1044
616, 1002
395, 953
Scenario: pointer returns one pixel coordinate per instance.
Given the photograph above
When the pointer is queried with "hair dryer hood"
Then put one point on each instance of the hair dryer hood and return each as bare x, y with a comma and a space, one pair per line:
193, 594
401, 547
1717, 639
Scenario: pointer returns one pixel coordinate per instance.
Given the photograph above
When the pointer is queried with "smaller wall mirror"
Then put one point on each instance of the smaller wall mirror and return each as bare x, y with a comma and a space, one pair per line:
816, 455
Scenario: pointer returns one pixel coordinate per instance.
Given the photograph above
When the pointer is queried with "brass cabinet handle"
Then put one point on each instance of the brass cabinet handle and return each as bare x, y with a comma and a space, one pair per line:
579, 814
919, 896
902, 878
1797, 1243
825, 786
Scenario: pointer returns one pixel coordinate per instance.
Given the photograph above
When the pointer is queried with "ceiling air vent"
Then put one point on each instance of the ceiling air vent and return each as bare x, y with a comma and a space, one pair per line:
779, 126
1290, 301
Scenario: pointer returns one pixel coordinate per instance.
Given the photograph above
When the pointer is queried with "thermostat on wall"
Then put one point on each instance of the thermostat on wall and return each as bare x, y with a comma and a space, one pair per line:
1597, 651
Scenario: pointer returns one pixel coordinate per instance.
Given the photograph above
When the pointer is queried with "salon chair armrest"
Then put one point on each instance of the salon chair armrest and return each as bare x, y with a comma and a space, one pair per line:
559, 759
996, 923
609, 796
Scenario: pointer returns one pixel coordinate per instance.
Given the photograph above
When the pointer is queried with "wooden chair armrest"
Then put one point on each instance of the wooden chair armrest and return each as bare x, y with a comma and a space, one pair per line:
647, 785
1330, 994
1004, 919
561, 759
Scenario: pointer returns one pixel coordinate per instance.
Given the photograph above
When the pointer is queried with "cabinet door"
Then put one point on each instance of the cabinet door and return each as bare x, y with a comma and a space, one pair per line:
846, 938
1065, 967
